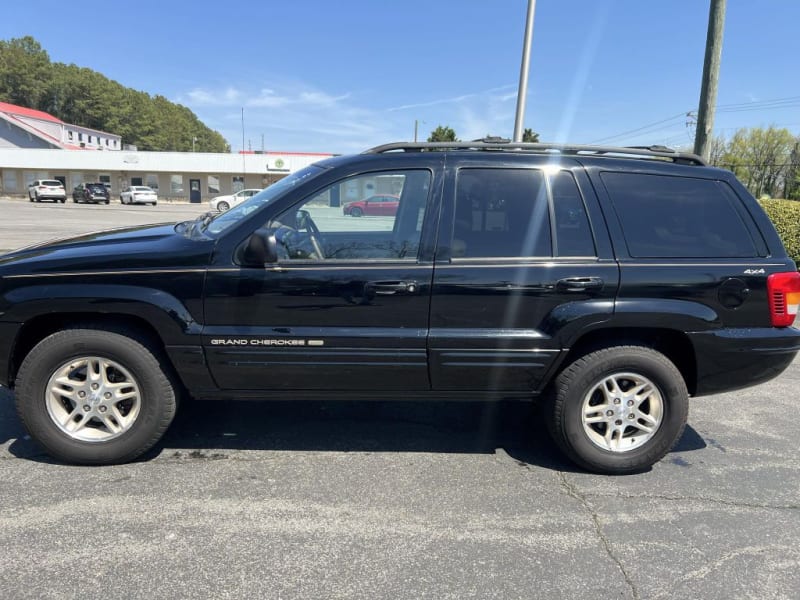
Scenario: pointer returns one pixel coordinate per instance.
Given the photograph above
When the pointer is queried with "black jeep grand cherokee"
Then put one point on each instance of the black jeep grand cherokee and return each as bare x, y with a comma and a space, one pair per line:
612, 282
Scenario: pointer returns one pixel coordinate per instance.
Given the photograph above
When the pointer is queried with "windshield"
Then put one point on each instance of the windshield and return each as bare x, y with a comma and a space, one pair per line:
223, 221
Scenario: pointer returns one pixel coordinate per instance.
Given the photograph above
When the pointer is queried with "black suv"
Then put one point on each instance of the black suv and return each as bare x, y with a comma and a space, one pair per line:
91, 192
611, 282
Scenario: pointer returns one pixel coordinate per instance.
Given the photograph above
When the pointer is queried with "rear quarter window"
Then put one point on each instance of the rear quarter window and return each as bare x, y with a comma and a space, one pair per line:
679, 217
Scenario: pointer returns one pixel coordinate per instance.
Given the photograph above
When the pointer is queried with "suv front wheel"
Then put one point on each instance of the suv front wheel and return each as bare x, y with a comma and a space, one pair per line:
618, 410
95, 396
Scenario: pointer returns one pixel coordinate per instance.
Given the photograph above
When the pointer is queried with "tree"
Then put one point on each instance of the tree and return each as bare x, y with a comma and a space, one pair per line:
529, 135
25, 71
443, 134
87, 98
761, 158
717, 148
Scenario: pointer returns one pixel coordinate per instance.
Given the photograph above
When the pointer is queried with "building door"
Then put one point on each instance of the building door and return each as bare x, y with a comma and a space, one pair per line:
194, 191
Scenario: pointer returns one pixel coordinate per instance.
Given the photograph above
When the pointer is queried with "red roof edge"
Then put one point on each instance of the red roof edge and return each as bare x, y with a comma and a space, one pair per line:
21, 111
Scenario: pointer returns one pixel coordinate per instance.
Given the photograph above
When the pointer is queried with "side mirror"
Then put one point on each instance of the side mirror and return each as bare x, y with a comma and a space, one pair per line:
260, 249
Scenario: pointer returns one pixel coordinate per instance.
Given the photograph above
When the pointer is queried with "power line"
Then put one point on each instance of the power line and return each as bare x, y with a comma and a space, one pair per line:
775, 103
624, 133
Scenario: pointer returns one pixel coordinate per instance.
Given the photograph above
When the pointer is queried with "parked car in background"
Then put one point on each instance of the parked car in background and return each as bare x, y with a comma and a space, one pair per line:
223, 203
91, 192
381, 205
138, 194
47, 189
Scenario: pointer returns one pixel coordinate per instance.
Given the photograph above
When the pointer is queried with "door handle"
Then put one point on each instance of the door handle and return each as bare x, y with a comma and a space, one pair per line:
579, 284
388, 288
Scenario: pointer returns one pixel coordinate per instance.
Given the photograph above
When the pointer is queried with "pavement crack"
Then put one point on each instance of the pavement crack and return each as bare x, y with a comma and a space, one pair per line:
678, 498
573, 492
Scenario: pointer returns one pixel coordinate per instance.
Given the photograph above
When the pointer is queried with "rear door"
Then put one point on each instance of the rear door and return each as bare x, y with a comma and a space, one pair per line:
523, 263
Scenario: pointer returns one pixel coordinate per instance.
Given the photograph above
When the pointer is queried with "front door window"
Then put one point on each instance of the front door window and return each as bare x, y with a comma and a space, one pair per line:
318, 229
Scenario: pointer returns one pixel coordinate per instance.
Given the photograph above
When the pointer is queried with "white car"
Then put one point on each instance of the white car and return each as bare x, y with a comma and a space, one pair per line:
47, 189
223, 203
138, 194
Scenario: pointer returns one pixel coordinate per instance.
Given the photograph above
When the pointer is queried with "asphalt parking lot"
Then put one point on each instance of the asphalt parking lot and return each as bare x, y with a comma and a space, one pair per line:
396, 500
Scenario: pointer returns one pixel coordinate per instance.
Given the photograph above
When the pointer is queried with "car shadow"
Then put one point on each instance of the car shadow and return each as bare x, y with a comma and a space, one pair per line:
213, 429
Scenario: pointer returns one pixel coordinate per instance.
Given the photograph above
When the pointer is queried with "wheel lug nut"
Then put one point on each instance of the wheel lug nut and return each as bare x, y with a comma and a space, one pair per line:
102, 409
618, 422
87, 408
617, 400
81, 394
631, 416
107, 395
630, 402
609, 413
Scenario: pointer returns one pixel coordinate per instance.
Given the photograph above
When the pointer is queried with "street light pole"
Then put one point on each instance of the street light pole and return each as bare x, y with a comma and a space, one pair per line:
522, 94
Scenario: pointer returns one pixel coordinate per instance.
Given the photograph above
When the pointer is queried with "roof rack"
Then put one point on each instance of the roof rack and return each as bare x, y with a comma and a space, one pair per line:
495, 143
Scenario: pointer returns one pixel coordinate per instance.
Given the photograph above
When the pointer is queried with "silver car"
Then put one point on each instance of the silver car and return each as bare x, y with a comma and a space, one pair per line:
47, 189
223, 203
138, 194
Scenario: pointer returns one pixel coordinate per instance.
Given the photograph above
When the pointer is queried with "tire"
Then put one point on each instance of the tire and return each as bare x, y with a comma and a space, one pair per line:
104, 430
63, 200
356, 212
605, 436
107, 201
223, 206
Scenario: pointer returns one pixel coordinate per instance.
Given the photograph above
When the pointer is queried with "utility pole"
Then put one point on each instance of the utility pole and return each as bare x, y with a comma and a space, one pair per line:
522, 94
708, 89
416, 124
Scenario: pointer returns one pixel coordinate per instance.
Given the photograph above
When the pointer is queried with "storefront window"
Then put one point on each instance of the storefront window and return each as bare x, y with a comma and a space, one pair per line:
176, 185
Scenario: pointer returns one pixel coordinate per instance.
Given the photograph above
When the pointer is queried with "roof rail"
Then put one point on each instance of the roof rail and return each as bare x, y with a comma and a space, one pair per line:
495, 143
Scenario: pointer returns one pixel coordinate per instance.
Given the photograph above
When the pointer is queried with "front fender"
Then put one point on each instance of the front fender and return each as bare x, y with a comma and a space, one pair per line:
170, 316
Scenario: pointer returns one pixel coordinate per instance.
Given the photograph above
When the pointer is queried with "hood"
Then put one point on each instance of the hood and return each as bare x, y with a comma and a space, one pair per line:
142, 246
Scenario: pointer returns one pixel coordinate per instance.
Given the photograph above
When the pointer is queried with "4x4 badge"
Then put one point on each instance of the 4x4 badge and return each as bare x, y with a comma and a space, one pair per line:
754, 271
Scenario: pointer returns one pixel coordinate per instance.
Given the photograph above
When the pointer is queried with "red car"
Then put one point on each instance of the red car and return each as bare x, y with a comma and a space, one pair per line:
382, 205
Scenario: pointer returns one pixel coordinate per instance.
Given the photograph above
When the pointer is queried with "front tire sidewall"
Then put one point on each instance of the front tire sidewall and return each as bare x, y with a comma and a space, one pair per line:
157, 395
574, 383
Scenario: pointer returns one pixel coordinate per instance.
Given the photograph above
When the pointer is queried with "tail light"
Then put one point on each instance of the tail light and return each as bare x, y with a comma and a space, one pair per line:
784, 297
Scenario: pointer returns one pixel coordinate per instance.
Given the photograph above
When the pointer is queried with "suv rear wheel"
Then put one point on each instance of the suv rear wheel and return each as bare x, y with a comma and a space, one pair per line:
618, 410
94, 396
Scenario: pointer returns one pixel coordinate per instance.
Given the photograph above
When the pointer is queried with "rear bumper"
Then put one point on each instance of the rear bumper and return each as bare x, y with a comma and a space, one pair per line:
731, 359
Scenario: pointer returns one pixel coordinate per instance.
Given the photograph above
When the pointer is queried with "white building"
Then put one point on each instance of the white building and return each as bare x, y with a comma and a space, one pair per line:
35, 145
22, 127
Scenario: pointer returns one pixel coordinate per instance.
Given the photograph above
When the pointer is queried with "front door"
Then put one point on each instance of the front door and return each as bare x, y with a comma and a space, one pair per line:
346, 306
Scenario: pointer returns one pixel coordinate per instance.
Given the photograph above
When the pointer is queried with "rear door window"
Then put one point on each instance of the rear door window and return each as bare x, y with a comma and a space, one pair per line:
501, 213
678, 217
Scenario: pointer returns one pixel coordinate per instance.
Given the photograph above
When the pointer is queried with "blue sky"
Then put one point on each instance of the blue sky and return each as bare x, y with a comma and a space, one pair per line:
340, 76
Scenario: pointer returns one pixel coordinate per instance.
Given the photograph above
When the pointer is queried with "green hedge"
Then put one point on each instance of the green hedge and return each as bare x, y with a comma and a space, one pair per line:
785, 215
